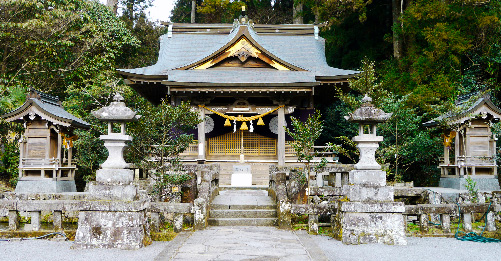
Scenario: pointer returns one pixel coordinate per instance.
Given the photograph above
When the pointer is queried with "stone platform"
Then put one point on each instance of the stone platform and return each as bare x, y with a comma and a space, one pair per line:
484, 182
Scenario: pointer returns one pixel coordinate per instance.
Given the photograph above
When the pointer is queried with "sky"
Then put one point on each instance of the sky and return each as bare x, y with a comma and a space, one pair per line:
159, 11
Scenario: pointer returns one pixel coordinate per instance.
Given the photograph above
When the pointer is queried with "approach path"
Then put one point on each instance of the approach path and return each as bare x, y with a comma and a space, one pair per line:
242, 243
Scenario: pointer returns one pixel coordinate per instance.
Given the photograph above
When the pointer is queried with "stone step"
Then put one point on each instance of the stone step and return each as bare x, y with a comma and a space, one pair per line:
238, 213
243, 222
241, 207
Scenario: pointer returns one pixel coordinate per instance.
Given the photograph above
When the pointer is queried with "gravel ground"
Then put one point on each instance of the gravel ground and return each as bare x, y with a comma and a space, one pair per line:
34, 250
441, 249
430, 248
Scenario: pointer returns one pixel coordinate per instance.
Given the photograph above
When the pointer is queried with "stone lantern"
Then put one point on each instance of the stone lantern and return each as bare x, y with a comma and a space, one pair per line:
369, 214
368, 117
113, 216
113, 171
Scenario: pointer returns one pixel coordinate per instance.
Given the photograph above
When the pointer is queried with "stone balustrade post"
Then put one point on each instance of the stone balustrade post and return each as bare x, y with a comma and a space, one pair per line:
57, 220
200, 213
313, 224
13, 220
35, 220
490, 223
178, 222
423, 223
446, 222
467, 222
155, 221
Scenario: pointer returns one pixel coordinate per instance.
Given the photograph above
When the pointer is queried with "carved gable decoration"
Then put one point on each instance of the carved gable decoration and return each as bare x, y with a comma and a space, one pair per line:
244, 49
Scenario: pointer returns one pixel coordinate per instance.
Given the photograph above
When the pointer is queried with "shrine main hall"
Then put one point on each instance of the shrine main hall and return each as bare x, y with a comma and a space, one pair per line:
246, 80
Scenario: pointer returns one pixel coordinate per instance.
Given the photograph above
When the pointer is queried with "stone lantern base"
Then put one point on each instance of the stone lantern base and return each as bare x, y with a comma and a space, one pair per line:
369, 215
113, 224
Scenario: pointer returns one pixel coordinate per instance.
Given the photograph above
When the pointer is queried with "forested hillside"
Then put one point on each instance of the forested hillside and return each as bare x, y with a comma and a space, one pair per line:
418, 55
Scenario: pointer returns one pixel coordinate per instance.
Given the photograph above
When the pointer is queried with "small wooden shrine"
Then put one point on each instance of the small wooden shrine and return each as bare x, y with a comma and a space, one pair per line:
469, 144
46, 148
246, 80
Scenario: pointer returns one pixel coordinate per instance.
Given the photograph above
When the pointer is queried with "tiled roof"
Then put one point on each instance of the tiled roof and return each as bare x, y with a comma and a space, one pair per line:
180, 50
481, 106
50, 107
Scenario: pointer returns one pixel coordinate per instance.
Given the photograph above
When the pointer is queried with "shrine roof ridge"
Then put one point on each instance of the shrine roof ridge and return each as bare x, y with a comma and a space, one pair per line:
46, 106
178, 50
482, 106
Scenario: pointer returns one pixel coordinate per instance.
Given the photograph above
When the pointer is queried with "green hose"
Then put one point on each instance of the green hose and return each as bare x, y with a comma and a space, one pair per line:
472, 236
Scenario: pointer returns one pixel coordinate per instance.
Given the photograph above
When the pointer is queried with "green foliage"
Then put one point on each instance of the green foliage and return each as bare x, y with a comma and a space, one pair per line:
304, 135
50, 44
471, 186
220, 11
159, 137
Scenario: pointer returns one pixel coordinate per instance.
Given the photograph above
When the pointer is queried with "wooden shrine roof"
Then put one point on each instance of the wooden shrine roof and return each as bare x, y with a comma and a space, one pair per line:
482, 107
296, 48
47, 107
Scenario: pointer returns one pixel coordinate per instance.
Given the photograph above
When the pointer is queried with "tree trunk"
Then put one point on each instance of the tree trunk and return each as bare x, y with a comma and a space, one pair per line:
113, 4
297, 13
193, 10
397, 9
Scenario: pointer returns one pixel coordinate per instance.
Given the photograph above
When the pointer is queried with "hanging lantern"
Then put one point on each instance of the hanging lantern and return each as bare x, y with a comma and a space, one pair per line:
260, 122
227, 123
244, 126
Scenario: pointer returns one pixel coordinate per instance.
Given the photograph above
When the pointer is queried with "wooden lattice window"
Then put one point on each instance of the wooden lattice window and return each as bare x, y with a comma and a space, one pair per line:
231, 144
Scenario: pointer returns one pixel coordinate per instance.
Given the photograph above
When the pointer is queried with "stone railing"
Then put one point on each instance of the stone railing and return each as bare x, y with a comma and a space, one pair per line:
445, 211
58, 207
11, 204
278, 191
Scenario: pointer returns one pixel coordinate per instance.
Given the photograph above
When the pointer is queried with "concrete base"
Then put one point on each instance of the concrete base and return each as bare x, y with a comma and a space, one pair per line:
365, 223
484, 182
45, 186
112, 229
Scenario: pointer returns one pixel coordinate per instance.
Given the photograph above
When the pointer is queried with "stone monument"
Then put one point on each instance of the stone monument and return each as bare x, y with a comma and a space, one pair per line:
114, 216
369, 213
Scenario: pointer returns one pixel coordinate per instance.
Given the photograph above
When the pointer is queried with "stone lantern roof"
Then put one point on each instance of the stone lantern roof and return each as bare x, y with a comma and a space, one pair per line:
368, 113
116, 111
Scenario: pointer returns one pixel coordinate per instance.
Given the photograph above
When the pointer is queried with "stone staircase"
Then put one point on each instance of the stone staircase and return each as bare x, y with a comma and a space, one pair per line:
243, 207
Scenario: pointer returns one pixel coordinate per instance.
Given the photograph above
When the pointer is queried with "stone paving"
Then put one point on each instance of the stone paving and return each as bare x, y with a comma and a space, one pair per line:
242, 243
243, 197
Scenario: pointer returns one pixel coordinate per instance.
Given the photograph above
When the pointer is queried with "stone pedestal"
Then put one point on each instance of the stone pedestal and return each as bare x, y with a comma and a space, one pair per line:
112, 224
45, 186
369, 214
114, 217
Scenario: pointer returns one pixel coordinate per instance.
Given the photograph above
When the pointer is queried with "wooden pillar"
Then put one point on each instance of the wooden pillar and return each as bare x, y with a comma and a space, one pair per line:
201, 135
281, 137
457, 153
22, 145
